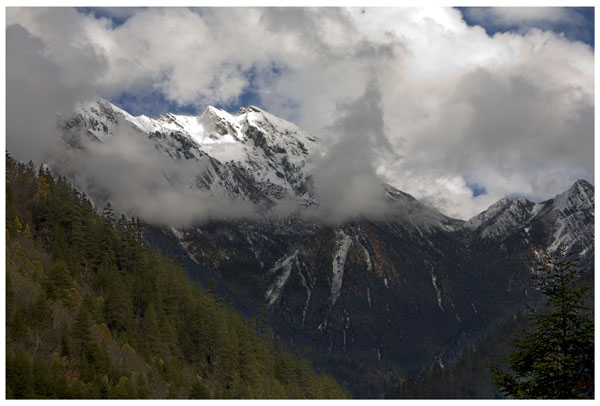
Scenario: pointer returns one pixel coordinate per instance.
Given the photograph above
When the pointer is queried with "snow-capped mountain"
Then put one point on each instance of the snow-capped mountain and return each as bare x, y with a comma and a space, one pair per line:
251, 155
503, 216
565, 222
389, 295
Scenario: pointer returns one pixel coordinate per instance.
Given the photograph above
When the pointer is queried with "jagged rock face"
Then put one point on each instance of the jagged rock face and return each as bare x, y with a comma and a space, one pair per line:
372, 299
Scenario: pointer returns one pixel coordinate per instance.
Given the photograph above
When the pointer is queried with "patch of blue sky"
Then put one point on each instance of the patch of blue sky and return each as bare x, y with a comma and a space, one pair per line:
117, 15
476, 188
151, 104
579, 26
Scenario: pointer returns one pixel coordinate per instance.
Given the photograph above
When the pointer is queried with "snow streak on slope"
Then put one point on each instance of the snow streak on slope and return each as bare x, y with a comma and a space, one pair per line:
342, 243
183, 243
368, 258
308, 288
437, 289
438, 293
284, 265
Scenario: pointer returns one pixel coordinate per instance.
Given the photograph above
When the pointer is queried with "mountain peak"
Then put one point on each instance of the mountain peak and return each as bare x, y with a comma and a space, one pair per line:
583, 182
568, 218
579, 196
249, 109
502, 216
583, 187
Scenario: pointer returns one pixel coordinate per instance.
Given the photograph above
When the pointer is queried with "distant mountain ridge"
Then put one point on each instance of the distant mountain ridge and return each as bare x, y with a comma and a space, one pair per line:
569, 215
376, 298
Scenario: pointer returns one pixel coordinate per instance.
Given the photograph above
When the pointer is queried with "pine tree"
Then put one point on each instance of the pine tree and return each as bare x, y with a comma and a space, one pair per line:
199, 390
150, 331
43, 186
556, 360
19, 376
108, 214
11, 210
118, 309
82, 329
60, 280
42, 385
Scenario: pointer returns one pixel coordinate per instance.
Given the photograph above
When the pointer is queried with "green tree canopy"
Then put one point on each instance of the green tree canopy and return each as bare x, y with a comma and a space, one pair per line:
556, 359
94, 312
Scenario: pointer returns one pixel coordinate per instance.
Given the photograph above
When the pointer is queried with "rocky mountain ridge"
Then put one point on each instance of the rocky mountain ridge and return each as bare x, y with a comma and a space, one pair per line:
251, 155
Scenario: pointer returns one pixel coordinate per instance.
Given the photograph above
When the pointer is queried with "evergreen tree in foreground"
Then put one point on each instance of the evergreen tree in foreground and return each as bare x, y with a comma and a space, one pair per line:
556, 359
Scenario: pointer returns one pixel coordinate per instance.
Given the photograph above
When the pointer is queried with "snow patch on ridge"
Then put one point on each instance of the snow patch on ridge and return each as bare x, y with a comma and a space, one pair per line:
185, 245
306, 286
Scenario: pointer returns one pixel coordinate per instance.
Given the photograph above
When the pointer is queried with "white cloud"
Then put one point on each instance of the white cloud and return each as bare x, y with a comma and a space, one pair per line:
512, 113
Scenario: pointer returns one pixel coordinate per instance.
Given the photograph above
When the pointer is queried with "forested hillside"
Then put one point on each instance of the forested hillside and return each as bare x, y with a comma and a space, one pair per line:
91, 312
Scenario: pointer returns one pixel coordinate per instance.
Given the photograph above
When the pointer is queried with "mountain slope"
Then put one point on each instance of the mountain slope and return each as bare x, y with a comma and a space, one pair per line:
376, 298
384, 296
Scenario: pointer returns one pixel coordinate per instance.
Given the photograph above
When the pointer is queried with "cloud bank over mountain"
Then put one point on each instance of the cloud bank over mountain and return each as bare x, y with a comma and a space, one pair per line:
430, 104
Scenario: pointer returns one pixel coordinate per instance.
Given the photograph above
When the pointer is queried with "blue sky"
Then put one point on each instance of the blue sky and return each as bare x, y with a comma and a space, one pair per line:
118, 15
478, 190
577, 26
